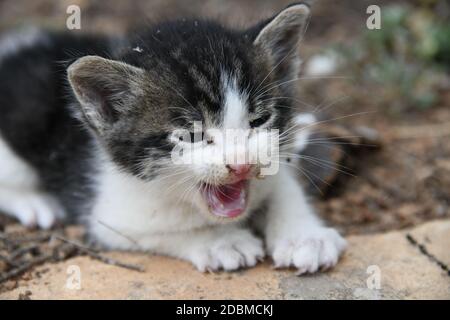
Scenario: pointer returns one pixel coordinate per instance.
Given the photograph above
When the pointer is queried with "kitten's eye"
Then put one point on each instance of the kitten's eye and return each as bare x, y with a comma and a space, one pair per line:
260, 121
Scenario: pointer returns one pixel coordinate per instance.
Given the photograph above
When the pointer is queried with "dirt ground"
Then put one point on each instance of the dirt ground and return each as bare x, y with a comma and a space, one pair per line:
389, 171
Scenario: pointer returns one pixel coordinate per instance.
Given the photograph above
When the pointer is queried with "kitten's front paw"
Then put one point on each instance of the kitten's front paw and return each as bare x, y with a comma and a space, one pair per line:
316, 249
238, 248
35, 209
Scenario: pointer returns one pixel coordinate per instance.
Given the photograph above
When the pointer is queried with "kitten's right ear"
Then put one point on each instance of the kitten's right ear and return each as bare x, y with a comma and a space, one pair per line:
104, 88
280, 36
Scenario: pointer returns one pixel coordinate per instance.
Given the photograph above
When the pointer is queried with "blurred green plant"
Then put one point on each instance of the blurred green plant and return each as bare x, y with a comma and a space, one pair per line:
405, 63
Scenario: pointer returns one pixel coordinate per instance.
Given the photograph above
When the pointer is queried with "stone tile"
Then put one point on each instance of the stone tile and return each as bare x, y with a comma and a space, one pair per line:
404, 273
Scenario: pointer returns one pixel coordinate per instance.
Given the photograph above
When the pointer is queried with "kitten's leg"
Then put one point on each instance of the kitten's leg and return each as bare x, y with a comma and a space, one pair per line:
295, 237
225, 247
213, 248
19, 193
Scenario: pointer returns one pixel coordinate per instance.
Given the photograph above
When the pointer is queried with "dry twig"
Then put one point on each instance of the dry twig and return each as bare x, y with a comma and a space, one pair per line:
95, 255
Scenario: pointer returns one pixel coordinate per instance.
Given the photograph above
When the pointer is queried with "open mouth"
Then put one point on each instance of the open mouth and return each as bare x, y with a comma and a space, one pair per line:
226, 201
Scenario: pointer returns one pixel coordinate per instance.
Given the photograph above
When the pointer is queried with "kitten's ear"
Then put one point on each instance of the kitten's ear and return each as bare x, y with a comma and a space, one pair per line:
281, 35
104, 88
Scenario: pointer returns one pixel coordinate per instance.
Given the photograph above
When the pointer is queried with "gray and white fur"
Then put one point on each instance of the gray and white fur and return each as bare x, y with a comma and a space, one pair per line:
88, 124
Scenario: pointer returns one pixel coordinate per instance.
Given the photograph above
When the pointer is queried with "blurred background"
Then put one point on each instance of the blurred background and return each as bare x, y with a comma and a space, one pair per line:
381, 159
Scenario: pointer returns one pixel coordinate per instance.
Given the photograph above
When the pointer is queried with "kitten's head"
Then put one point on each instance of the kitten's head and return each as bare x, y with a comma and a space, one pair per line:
165, 109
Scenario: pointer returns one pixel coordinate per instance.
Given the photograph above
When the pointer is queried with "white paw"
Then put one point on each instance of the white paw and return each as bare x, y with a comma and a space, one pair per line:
231, 251
316, 249
35, 209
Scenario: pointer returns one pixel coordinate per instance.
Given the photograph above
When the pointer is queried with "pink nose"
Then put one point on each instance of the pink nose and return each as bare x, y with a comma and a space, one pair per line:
240, 170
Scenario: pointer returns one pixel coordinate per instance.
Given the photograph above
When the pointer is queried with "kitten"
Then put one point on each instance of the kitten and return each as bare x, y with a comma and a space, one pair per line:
89, 126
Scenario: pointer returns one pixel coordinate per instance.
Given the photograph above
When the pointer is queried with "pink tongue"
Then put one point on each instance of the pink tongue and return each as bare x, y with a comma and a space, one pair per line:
227, 200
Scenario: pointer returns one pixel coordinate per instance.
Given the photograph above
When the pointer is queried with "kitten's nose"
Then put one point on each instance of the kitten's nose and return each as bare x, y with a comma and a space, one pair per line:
239, 170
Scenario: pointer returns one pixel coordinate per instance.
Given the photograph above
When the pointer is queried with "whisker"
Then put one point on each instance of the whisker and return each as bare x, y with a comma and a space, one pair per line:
288, 98
303, 78
321, 108
328, 120
323, 164
299, 156
302, 171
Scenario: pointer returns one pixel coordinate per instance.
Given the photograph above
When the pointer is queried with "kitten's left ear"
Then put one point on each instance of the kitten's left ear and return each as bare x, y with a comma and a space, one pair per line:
280, 37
